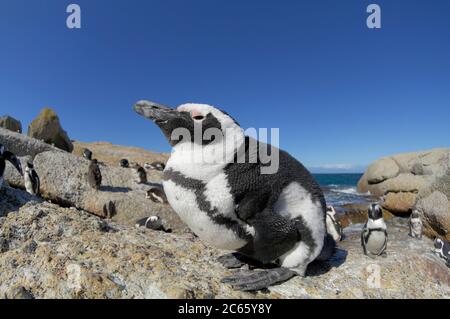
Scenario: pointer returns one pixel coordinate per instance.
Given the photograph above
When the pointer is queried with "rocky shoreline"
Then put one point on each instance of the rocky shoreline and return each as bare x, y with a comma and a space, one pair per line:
71, 244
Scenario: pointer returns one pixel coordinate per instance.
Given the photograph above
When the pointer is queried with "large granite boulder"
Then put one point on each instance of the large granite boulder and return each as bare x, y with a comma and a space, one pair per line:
434, 204
11, 124
22, 145
46, 127
63, 181
52, 252
399, 179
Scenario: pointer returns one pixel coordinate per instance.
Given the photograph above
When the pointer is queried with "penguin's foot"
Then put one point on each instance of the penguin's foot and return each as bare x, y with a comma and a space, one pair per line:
257, 280
230, 261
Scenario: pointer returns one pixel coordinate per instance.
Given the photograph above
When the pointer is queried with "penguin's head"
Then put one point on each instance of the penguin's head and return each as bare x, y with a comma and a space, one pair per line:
2, 149
438, 243
415, 213
331, 211
199, 124
29, 167
375, 212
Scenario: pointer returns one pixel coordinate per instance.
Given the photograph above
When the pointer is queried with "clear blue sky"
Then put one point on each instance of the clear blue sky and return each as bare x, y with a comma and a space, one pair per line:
339, 92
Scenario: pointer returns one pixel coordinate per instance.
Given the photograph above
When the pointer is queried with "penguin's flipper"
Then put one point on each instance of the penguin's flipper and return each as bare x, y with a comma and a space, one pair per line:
257, 280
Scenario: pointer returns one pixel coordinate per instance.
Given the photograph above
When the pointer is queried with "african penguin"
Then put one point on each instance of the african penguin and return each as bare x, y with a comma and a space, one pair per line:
124, 163
31, 178
155, 165
374, 234
152, 222
334, 228
87, 154
442, 248
10, 157
140, 173
214, 181
94, 175
157, 195
415, 225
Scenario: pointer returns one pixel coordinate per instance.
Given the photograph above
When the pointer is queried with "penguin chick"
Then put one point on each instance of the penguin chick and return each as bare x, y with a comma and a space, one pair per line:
442, 248
87, 154
152, 222
10, 157
374, 234
32, 183
415, 225
157, 195
334, 228
140, 173
230, 201
124, 163
94, 175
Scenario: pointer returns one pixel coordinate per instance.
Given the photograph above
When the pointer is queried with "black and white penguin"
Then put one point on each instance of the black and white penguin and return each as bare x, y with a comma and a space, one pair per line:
442, 248
139, 173
31, 178
152, 222
221, 193
334, 228
155, 165
124, 163
94, 175
157, 195
10, 157
415, 224
374, 234
87, 154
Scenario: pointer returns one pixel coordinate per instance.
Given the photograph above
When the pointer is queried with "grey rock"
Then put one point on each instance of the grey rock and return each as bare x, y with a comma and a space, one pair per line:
21, 145
85, 261
10, 123
63, 178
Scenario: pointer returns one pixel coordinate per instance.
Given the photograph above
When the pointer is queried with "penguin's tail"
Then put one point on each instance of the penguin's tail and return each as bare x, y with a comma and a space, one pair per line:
328, 248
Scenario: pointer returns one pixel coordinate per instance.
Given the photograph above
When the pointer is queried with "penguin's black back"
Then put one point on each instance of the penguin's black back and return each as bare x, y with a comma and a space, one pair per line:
246, 178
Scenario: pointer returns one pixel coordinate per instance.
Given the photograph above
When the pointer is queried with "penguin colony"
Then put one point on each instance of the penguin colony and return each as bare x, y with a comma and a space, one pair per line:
278, 222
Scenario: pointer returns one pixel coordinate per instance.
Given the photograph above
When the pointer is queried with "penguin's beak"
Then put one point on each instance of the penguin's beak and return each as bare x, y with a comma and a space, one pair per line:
166, 118
158, 113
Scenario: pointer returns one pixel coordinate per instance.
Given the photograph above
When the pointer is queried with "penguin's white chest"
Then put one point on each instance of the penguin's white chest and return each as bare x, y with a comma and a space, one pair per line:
28, 183
197, 208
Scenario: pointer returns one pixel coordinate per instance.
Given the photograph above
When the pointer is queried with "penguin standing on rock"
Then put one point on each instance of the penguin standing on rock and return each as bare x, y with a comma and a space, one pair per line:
87, 154
94, 175
140, 173
442, 249
215, 180
415, 225
334, 228
374, 234
10, 157
32, 183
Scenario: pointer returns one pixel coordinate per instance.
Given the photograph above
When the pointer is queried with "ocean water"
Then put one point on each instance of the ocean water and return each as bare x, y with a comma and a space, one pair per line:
340, 189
